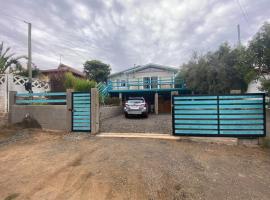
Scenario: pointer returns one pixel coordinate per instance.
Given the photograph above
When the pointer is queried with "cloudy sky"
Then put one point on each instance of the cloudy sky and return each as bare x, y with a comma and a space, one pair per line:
126, 32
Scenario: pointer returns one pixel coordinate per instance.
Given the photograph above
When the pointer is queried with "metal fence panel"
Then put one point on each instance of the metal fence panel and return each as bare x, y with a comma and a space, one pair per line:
221, 115
81, 112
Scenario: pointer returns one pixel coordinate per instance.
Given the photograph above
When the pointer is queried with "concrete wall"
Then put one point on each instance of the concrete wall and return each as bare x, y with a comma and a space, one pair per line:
48, 116
265, 141
110, 111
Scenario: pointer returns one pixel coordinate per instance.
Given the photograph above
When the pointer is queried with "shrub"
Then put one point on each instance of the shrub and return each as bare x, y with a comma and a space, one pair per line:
69, 80
82, 85
57, 82
114, 101
78, 84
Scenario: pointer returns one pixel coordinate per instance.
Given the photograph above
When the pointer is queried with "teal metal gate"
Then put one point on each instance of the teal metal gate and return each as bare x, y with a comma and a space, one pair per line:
219, 115
81, 112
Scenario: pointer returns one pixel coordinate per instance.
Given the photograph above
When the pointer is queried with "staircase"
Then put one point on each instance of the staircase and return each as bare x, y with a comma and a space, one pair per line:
103, 91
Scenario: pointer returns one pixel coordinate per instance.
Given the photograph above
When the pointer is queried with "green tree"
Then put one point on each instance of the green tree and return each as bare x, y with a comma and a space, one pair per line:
259, 49
24, 72
96, 70
7, 60
217, 72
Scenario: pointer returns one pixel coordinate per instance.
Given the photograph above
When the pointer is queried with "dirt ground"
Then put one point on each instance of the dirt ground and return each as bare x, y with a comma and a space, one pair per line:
43, 165
161, 123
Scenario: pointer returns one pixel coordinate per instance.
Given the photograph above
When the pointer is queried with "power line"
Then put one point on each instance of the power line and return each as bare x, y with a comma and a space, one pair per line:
12, 17
244, 13
81, 56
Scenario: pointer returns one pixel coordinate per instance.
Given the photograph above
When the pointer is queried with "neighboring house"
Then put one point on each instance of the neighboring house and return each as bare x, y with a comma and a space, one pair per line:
61, 69
255, 85
154, 82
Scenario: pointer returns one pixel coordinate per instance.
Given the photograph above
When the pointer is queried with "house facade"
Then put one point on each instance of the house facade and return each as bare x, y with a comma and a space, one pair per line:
156, 83
61, 69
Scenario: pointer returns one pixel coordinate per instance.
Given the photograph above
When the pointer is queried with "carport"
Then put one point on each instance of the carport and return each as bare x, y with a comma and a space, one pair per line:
159, 100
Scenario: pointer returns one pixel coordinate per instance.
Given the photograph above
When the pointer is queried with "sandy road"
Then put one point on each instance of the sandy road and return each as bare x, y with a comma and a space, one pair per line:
42, 165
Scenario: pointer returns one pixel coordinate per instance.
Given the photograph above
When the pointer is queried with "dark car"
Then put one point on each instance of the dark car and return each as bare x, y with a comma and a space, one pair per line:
136, 106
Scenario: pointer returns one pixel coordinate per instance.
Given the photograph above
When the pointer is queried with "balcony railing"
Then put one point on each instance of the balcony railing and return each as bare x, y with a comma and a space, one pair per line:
140, 84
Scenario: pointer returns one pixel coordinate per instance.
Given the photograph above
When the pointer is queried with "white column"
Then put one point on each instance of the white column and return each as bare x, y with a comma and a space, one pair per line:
156, 103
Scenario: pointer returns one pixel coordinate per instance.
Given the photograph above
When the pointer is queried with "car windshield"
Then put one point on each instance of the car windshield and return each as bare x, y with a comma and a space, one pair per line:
135, 101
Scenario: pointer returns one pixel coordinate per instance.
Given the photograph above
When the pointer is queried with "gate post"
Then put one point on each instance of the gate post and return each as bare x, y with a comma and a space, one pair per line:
94, 111
11, 102
156, 103
69, 109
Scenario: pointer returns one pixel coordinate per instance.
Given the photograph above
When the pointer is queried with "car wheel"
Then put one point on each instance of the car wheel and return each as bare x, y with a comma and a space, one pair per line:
145, 115
126, 115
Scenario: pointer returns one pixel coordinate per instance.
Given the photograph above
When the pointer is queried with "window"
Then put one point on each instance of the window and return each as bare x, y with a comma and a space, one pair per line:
154, 82
123, 83
146, 82
150, 81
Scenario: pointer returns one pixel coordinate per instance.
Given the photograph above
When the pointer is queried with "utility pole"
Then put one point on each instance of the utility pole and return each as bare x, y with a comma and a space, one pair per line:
29, 64
238, 33
60, 59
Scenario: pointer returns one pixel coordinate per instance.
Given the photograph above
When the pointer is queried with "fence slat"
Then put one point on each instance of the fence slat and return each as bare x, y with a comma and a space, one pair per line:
195, 121
241, 106
214, 132
232, 121
196, 117
194, 97
196, 126
41, 94
195, 102
195, 106
238, 132
237, 127
242, 101
256, 111
30, 101
241, 96
195, 111
241, 116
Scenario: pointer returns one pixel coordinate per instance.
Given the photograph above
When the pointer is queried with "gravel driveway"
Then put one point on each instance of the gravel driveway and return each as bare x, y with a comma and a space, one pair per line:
161, 123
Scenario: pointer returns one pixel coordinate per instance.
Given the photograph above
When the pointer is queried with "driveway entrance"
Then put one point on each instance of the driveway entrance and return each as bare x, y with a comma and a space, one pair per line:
153, 124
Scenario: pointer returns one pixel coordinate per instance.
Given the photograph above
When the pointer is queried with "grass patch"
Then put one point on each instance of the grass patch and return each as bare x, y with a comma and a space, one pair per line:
12, 196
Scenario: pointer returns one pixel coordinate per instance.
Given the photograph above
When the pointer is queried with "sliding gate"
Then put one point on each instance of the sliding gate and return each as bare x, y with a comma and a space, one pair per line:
223, 115
81, 112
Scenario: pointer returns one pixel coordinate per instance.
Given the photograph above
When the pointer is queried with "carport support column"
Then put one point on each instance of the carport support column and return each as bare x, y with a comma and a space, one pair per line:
156, 103
120, 99
94, 111
69, 110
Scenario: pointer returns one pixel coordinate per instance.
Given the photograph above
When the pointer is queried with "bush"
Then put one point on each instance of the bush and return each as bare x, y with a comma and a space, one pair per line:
78, 84
57, 82
114, 101
82, 85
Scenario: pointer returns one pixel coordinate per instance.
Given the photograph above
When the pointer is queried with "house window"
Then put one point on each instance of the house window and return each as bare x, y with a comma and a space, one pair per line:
154, 82
146, 82
150, 81
123, 83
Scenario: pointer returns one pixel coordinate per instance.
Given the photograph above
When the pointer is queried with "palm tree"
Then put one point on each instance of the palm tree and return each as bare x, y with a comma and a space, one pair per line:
7, 60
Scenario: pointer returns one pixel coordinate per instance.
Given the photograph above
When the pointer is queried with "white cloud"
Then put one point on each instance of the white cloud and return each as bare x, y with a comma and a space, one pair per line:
127, 32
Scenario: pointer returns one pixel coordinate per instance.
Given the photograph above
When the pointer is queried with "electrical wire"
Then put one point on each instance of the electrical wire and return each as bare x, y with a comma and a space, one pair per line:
244, 12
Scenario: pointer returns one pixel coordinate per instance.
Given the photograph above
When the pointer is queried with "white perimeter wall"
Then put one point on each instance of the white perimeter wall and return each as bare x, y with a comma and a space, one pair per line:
10, 82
